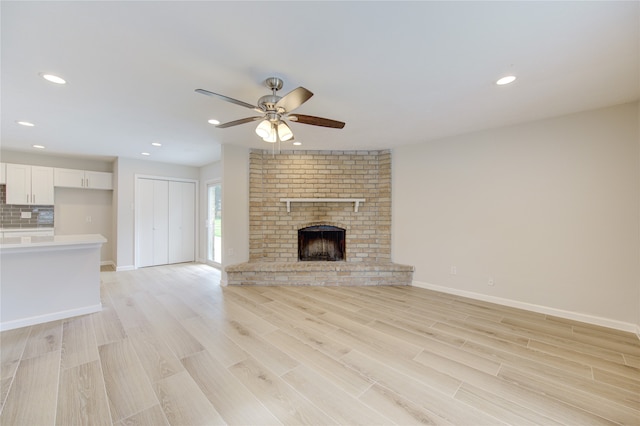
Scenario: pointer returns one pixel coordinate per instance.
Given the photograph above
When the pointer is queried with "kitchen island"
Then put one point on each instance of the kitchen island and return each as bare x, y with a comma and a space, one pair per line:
48, 278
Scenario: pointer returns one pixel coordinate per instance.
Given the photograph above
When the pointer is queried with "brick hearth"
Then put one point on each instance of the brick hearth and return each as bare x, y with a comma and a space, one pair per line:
273, 251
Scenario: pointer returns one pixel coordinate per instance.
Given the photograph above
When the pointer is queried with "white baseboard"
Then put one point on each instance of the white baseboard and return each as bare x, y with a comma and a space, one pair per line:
576, 316
125, 268
24, 322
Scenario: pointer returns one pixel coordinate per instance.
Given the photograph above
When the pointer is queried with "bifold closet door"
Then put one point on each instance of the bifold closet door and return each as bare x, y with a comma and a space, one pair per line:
182, 201
153, 222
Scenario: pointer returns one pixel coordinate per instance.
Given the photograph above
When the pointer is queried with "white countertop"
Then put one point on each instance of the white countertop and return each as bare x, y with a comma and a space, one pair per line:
43, 229
56, 240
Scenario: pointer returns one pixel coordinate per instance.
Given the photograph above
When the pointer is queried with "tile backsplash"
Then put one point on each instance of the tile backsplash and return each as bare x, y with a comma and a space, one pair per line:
10, 214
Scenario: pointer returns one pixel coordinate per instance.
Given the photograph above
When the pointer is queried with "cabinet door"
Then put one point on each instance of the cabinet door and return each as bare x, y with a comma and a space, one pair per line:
3, 173
18, 184
181, 222
98, 180
41, 185
69, 178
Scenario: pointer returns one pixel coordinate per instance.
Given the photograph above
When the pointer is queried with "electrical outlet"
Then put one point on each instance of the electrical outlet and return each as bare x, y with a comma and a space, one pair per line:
490, 282
88, 219
25, 215
453, 270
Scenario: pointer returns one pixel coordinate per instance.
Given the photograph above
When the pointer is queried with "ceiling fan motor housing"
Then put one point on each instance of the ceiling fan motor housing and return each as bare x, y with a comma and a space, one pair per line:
268, 102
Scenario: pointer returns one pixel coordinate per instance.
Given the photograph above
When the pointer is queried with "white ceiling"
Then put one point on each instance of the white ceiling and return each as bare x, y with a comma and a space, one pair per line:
397, 73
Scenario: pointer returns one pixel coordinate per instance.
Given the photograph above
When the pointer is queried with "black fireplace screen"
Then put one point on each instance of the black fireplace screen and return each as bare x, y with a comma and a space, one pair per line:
321, 243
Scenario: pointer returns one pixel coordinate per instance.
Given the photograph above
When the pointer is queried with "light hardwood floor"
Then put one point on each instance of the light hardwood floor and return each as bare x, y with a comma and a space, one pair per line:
173, 347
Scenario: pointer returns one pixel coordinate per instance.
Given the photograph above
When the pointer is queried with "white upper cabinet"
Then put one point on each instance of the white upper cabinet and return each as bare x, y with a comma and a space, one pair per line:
69, 178
3, 173
98, 180
72, 178
29, 184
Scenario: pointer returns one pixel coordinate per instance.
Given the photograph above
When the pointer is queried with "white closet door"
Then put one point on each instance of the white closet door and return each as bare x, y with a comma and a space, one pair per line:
145, 222
160, 222
153, 222
181, 221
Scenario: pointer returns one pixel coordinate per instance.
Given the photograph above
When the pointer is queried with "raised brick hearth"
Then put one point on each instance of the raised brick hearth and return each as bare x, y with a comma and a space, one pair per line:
273, 251
320, 273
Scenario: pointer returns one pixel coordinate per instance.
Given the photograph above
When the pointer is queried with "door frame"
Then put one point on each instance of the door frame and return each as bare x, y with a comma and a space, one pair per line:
216, 181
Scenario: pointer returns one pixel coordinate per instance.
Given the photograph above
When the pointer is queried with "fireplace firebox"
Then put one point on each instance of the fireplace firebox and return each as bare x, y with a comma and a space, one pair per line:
321, 243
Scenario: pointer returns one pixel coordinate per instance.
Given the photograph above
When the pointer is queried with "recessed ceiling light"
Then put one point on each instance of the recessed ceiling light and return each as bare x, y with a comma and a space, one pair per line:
213, 121
53, 78
145, 153
156, 144
297, 143
25, 123
506, 80
39, 146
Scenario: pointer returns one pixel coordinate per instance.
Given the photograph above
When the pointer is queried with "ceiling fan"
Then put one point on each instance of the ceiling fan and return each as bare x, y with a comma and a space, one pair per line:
275, 110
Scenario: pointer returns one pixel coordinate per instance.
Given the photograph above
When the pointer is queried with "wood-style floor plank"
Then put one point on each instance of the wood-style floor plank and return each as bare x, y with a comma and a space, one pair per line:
43, 338
184, 403
235, 403
402, 410
82, 397
12, 343
153, 416
283, 401
431, 399
155, 356
32, 399
173, 347
78, 342
128, 388
340, 375
341, 406
107, 325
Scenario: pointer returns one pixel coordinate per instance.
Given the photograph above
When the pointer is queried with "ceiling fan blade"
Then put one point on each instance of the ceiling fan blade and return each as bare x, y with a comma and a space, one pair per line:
228, 99
236, 122
294, 99
316, 121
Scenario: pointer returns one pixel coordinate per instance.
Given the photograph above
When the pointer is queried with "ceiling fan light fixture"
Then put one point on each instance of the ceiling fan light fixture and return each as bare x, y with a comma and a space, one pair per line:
272, 137
264, 129
284, 131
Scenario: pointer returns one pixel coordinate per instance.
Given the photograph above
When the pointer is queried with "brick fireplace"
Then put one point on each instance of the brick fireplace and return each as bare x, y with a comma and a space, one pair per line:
320, 191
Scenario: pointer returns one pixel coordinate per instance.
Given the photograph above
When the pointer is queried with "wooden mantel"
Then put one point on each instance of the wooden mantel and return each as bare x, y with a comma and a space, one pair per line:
356, 201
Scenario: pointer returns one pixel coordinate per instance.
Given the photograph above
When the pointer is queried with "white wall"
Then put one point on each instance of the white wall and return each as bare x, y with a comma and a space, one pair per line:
209, 173
125, 170
235, 206
85, 211
549, 210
